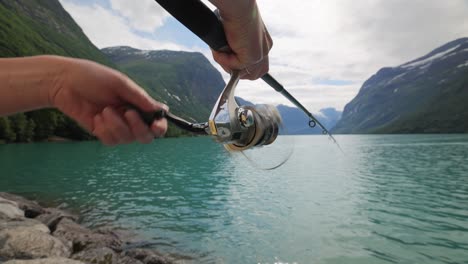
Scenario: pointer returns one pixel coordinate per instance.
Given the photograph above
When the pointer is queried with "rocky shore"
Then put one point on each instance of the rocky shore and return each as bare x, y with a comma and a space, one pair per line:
32, 234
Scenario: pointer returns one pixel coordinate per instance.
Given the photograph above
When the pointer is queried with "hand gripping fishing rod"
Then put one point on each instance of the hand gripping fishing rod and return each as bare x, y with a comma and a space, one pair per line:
204, 23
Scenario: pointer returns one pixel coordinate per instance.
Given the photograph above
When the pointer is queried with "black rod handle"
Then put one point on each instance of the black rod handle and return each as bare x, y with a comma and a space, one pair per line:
199, 19
150, 117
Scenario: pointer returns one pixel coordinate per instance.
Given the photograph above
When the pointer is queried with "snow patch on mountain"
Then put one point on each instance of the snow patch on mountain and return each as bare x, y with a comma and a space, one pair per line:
423, 62
396, 78
463, 65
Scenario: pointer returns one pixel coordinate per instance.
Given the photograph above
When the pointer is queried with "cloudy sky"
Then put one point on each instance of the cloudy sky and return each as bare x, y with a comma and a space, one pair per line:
323, 50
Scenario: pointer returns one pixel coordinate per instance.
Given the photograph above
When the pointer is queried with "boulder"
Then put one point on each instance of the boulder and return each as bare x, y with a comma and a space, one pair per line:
9, 209
97, 255
21, 223
83, 238
147, 256
51, 217
128, 260
30, 242
45, 261
31, 209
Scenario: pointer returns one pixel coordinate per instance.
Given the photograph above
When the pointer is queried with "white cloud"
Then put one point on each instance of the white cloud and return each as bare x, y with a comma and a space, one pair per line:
351, 40
313, 39
142, 15
104, 28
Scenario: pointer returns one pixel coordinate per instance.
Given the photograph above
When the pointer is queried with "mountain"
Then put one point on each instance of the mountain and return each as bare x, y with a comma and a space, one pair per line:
35, 27
297, 122
426, 95
186, 81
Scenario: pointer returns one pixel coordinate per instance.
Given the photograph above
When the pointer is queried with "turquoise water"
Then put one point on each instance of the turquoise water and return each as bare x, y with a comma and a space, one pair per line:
389, 199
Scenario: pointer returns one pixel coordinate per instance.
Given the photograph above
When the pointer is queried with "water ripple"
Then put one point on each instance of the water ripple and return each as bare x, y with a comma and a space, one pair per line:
389, 199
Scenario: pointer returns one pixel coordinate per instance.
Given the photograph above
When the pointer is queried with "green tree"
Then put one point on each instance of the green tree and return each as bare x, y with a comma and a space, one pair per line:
29, 132
46, 121
68, 128
6, 131
19, 122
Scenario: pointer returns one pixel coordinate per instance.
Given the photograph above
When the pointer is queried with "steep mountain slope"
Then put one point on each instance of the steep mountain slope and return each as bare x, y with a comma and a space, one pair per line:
34, 27
186, 81
427, 95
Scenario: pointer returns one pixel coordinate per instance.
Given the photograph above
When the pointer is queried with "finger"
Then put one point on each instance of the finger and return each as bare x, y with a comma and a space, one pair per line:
101, 132
159, 127
139, 129
255, 71
129, 91
228, 61
117, 126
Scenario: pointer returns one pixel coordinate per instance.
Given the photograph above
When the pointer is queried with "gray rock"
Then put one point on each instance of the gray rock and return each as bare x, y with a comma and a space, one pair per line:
9, 209
30, 242
51, 217
97, 255
83, 238
31, 209
45, 261
128, 260
147, 256
30, 224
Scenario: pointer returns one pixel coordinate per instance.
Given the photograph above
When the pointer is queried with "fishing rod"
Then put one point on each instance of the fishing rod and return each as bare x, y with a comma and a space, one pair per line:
204, 23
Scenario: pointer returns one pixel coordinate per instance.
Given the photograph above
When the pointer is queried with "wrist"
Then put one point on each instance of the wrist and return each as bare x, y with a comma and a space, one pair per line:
59, 69
26, 83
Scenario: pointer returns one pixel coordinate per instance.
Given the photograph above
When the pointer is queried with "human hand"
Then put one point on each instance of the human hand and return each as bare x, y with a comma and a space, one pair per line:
98, 97
248, 39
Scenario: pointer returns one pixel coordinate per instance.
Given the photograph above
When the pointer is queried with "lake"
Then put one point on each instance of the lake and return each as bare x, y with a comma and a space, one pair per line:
387, 199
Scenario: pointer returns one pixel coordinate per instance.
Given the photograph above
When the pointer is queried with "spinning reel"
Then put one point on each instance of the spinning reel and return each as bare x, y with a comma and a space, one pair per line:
242, 127
238, 128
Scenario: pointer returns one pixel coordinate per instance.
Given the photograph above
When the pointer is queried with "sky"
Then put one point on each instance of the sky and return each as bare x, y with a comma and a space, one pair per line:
323, 51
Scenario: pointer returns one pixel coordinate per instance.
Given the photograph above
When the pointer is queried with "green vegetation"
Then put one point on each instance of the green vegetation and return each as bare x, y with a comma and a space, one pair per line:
186, 81
39, 126
35, 27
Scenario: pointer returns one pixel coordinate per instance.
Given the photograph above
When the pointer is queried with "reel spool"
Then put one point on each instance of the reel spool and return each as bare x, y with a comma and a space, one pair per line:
250, 129
263, 123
